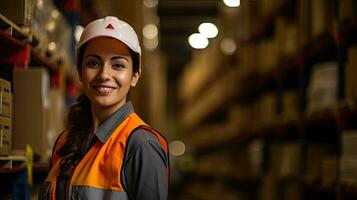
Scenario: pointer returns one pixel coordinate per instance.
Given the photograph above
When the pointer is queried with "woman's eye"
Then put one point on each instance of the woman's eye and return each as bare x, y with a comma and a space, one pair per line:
93, 64
118, 66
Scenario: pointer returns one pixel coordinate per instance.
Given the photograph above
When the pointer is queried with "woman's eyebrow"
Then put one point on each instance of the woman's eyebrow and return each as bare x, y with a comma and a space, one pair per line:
119, 57
93, 55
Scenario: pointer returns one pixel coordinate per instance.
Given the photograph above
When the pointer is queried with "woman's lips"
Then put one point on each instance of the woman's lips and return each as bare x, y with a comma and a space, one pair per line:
103, 89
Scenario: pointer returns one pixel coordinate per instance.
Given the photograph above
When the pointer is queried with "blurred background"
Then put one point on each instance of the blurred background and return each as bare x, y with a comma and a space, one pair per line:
257, 98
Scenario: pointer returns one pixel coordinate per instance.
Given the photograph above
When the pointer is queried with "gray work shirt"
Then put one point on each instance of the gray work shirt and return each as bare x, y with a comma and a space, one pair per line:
144, 167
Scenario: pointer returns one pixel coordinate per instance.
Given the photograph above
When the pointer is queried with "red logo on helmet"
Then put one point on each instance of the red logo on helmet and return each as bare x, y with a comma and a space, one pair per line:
109, 26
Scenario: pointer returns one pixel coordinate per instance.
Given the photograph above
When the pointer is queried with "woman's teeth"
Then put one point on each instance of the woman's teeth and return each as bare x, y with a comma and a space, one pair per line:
103, 89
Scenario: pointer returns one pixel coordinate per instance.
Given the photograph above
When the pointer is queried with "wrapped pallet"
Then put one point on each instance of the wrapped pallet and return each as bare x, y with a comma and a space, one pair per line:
322, 88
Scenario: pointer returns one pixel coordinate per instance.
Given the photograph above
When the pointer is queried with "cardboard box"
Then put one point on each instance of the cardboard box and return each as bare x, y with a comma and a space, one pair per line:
322, 88
5, 136
322, 15
290, 105
18, 11
5, 98
303, 22
31, 109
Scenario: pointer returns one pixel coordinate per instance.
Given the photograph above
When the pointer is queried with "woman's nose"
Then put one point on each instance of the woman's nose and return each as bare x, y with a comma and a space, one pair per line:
104, 73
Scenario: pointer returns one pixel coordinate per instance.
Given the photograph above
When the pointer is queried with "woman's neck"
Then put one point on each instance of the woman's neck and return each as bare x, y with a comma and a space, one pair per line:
100, 114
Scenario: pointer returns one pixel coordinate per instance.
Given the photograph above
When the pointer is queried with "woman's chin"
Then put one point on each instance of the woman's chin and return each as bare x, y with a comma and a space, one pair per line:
106, 102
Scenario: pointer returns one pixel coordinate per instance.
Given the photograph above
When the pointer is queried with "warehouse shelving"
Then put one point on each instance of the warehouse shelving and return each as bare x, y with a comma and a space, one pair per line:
21, 47
322, 127
342, 116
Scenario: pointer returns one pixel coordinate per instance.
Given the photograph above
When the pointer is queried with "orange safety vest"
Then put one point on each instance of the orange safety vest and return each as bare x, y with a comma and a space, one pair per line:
99, 171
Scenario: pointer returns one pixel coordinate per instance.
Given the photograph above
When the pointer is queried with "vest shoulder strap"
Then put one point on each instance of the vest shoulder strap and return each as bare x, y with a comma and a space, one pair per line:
61, 139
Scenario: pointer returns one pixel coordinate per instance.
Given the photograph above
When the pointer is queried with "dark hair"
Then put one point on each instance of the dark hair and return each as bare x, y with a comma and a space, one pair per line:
80, 126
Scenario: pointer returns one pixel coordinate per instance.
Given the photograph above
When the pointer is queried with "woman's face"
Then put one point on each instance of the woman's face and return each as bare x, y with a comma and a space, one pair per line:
107, 72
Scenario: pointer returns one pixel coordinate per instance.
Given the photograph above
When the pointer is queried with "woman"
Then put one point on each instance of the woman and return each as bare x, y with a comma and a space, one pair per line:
107, 151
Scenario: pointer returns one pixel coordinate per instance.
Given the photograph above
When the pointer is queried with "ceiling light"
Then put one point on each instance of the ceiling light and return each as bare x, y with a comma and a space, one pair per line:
232, 3
177, 148
55, 13
150, 31
150, 3
209, 30
39, 4
151, 44
228, 46
52, 46
198, 41
51, 25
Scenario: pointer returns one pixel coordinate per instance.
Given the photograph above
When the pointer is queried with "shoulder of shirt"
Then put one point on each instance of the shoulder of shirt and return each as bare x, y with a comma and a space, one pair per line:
141, 137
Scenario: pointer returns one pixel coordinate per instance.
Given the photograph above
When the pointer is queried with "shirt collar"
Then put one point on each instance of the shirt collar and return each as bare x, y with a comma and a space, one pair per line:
105, 130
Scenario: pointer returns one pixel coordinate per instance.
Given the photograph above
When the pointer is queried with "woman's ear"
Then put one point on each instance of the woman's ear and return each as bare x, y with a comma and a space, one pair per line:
135, 78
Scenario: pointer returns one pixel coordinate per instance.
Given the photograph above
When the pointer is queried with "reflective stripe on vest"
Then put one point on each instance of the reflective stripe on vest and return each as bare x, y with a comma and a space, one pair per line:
98, 173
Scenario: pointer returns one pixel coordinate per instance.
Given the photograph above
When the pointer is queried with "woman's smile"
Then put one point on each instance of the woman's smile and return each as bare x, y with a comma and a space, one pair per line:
103, 90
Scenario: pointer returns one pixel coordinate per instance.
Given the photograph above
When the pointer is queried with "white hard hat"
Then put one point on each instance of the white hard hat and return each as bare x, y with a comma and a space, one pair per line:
111, 27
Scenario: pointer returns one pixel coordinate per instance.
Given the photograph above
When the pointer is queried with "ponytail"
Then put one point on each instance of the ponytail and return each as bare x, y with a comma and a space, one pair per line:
80, 136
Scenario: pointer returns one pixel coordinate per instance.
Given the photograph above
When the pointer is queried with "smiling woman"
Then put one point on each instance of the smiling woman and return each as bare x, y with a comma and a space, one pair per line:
107, 74
107, 151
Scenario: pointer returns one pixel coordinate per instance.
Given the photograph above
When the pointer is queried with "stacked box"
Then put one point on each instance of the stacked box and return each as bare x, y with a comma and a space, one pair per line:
255, 150
348, 161
199, 71
303, 22
5, 98
247, 58
18, 11
320, 164
329, 170
285, 160
5, 136
347, 9
290, 105
5, 117
268, 6
241, 117
291, 191
322, 88
350, 73
269, 188
31, 109
268, 55
286, 37
322, 16
267, 108
290, 160
313, 163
